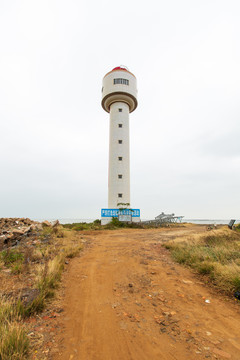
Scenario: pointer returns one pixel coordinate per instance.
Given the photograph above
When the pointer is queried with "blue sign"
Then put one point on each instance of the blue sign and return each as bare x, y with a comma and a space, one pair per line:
116, 212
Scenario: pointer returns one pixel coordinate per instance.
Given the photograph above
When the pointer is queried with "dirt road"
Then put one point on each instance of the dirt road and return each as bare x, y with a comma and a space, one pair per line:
125, 299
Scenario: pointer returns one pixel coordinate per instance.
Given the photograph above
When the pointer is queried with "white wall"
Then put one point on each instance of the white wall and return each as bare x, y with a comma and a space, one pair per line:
116, 150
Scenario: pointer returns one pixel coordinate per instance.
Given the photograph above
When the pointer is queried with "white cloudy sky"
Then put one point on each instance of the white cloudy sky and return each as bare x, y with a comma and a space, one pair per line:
185, 133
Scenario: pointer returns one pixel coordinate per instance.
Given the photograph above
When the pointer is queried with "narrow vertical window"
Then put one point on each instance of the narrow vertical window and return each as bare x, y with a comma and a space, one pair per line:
120, 141
120, 158
120, 176
120, 195
120, 110
120, 125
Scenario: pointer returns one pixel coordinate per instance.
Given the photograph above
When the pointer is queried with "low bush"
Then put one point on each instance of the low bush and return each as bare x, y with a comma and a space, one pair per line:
236, 283
13, 259
116, 224
10, 257
237, 227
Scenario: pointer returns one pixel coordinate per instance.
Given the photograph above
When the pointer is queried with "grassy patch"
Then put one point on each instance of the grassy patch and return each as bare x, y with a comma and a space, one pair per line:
14, 343
95, 225
48, 274
115, 224
13, 259
216, 256
44, 263
10, 257
237, 227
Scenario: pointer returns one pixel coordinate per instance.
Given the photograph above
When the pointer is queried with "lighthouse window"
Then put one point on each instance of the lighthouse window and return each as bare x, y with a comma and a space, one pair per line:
120, 176
120, 158
120, 110
120, 141
120, 125
119, 195
120, 81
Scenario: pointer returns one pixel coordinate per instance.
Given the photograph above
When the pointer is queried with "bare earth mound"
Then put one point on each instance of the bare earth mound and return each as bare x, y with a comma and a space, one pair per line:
124, 298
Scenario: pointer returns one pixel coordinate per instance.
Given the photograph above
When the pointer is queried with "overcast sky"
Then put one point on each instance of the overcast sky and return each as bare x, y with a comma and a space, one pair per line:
185, 133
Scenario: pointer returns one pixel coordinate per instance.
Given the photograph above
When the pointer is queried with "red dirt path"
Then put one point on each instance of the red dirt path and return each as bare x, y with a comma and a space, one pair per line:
126, 299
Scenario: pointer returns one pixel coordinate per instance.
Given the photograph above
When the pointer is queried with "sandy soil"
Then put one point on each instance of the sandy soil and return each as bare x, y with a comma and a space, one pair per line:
124, 298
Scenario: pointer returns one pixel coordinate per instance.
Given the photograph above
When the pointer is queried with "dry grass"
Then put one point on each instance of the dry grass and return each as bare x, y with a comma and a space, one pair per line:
48, 272
216, 255
45, 264
14, 342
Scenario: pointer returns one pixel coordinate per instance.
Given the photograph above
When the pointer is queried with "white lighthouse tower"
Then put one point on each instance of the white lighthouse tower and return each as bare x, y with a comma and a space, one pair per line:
119, 98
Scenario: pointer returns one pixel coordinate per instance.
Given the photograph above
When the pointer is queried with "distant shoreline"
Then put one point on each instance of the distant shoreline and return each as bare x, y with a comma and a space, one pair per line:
193, 221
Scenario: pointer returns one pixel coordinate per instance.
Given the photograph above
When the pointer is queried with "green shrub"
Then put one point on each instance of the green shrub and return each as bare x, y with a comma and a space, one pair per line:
115, 224
236, 283
11, 256
17, 269
237, 227
97, 222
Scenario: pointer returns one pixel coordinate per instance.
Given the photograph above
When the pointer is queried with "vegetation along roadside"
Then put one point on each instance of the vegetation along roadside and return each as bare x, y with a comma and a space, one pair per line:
216, 256
30, 271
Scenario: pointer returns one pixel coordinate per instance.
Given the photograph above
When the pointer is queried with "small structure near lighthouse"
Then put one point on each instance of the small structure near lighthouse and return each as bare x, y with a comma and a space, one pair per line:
119, 98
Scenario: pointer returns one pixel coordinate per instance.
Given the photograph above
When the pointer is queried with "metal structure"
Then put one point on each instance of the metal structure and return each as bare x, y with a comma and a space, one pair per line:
170, 218
165, 219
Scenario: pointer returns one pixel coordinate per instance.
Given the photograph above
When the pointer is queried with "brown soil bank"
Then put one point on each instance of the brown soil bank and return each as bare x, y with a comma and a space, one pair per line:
126, 299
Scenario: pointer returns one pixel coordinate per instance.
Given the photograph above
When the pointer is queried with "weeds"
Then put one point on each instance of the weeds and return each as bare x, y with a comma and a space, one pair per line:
71, 252
47, 280
237, 227
13, 259
46, 261
17, 269
113, 225
216, 256
95, 225
14, 343
116, 224
10, 257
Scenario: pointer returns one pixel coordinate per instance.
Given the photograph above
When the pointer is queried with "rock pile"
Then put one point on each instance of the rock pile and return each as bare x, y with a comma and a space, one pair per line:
14, 230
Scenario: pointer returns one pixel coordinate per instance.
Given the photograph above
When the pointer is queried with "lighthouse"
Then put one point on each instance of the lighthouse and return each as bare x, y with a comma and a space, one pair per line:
119, 98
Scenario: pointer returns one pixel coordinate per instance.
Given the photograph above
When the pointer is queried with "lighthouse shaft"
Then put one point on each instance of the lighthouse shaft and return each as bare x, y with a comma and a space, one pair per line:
119, 98
119, 159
